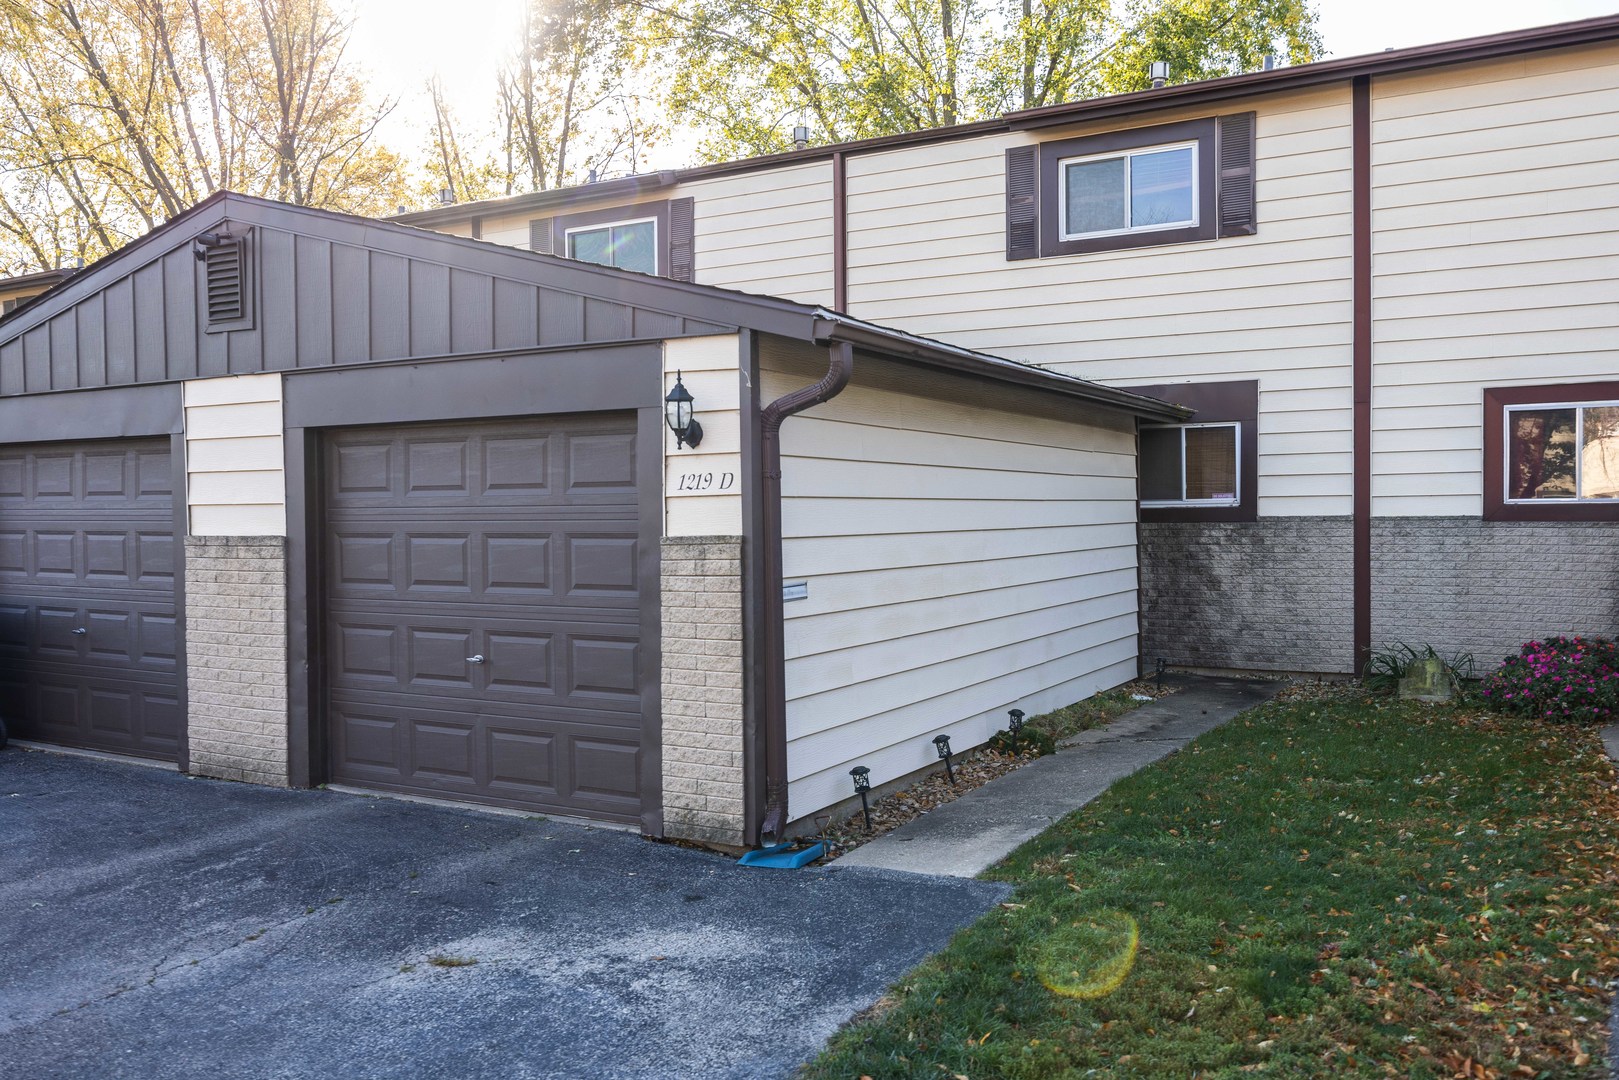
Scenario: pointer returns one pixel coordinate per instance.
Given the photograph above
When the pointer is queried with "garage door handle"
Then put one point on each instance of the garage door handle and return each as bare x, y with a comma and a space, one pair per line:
475, 659
81, 630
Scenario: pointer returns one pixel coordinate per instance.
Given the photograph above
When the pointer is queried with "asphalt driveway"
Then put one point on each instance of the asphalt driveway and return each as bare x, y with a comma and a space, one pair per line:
157, 926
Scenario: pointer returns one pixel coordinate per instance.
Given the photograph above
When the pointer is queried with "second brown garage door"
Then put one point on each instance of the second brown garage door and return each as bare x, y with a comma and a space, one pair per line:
483, 613
87, 624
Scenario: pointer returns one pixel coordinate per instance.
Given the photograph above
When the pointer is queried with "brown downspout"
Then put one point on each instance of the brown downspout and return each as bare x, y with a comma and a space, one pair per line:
773, 631
1361, 503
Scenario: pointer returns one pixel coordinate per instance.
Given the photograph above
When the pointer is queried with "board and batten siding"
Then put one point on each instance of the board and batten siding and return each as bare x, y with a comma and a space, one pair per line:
1495, 210
235, 464
927, 253
702, 488
967, 550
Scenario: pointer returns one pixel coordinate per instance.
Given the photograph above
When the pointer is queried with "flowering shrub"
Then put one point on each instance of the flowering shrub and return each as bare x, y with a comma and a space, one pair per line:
1561, 678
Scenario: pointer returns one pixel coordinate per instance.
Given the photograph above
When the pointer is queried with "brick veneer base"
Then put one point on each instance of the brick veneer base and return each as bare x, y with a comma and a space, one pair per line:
703, 788
236, 657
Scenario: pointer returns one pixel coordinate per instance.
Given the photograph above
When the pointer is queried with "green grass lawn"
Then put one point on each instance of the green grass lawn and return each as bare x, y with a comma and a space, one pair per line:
1332, 888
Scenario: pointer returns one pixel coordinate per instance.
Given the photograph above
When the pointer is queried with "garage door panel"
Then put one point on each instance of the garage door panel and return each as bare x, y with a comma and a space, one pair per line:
495, 757
88, 635
514, 541
525, 658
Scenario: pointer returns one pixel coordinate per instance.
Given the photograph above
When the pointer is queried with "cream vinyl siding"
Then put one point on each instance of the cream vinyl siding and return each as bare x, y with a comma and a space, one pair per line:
927, 253
767, 232
1495, 210
710, 367
967, 550
235, 466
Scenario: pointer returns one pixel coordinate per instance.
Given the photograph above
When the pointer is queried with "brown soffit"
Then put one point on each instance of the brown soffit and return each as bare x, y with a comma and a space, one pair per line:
1138, 103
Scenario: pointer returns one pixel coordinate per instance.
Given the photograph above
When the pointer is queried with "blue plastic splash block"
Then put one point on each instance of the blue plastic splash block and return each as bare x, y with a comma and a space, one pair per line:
783, 856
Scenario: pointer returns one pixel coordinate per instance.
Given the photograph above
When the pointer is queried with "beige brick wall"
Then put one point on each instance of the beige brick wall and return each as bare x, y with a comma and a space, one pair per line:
236, 657
702, 689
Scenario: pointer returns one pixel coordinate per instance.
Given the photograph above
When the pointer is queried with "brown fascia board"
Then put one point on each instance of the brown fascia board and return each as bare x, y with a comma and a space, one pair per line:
899, 345
1137, 103
40, 277
540, 201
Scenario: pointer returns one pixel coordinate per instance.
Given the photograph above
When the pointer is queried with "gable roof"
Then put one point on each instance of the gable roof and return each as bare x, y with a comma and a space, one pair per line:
1137, 103
334, 289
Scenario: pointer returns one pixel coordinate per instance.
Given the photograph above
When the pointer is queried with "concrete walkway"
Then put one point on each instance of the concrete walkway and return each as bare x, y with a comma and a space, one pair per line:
965, 837
1610, 740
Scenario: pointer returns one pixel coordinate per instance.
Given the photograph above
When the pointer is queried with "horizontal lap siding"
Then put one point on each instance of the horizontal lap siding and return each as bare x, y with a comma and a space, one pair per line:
962, 559
927, 254
1496, 248
235, 471
767, 232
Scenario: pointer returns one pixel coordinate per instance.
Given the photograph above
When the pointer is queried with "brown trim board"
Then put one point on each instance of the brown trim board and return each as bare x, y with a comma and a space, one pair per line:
840, 233
1213, 402
1361, 544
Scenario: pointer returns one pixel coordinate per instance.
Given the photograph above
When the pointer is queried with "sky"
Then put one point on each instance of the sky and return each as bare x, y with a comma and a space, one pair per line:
404, 42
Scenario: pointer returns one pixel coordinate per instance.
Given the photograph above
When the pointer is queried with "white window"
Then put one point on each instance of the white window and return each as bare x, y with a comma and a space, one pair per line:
1191, 465
1142, 190
1562, 452
628, 245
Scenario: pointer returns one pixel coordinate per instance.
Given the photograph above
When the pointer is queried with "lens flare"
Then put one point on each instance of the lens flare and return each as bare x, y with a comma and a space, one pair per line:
1089, 958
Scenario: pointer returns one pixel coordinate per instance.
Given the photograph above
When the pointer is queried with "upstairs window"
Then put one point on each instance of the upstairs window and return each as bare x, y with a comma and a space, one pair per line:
628, 245
1193, 465
1141, 190
1175, 183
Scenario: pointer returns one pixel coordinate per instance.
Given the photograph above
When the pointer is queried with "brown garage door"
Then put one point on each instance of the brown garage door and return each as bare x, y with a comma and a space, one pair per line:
483, 613
87, 629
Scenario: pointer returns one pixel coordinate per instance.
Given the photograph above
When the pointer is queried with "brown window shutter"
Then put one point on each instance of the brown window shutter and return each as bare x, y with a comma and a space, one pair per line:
681, 241
1236, 139
1022, 203
539, 236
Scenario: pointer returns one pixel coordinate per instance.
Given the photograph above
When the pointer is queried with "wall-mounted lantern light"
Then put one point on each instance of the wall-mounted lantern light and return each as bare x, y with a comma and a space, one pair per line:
1014, 725
677, 411
941, 743
862, 785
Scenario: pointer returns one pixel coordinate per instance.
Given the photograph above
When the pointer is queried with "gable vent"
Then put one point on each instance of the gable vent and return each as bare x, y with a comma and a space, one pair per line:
225, 277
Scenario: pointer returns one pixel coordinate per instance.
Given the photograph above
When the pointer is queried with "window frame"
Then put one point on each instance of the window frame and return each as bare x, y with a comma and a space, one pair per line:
1183, 501
1212, 403
1126, 155
1053, 213
1499, 404
658, 255
562, 224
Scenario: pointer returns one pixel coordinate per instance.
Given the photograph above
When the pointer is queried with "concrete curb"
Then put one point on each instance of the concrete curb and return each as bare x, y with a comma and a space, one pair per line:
1610, 742
966, 837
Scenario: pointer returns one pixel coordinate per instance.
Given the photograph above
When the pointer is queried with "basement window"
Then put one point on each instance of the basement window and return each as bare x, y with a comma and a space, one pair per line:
1551, 453
1564, 452
628, 245
1191, 465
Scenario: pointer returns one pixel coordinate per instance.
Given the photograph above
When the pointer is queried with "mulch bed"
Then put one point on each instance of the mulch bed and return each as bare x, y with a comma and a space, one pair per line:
974, 768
